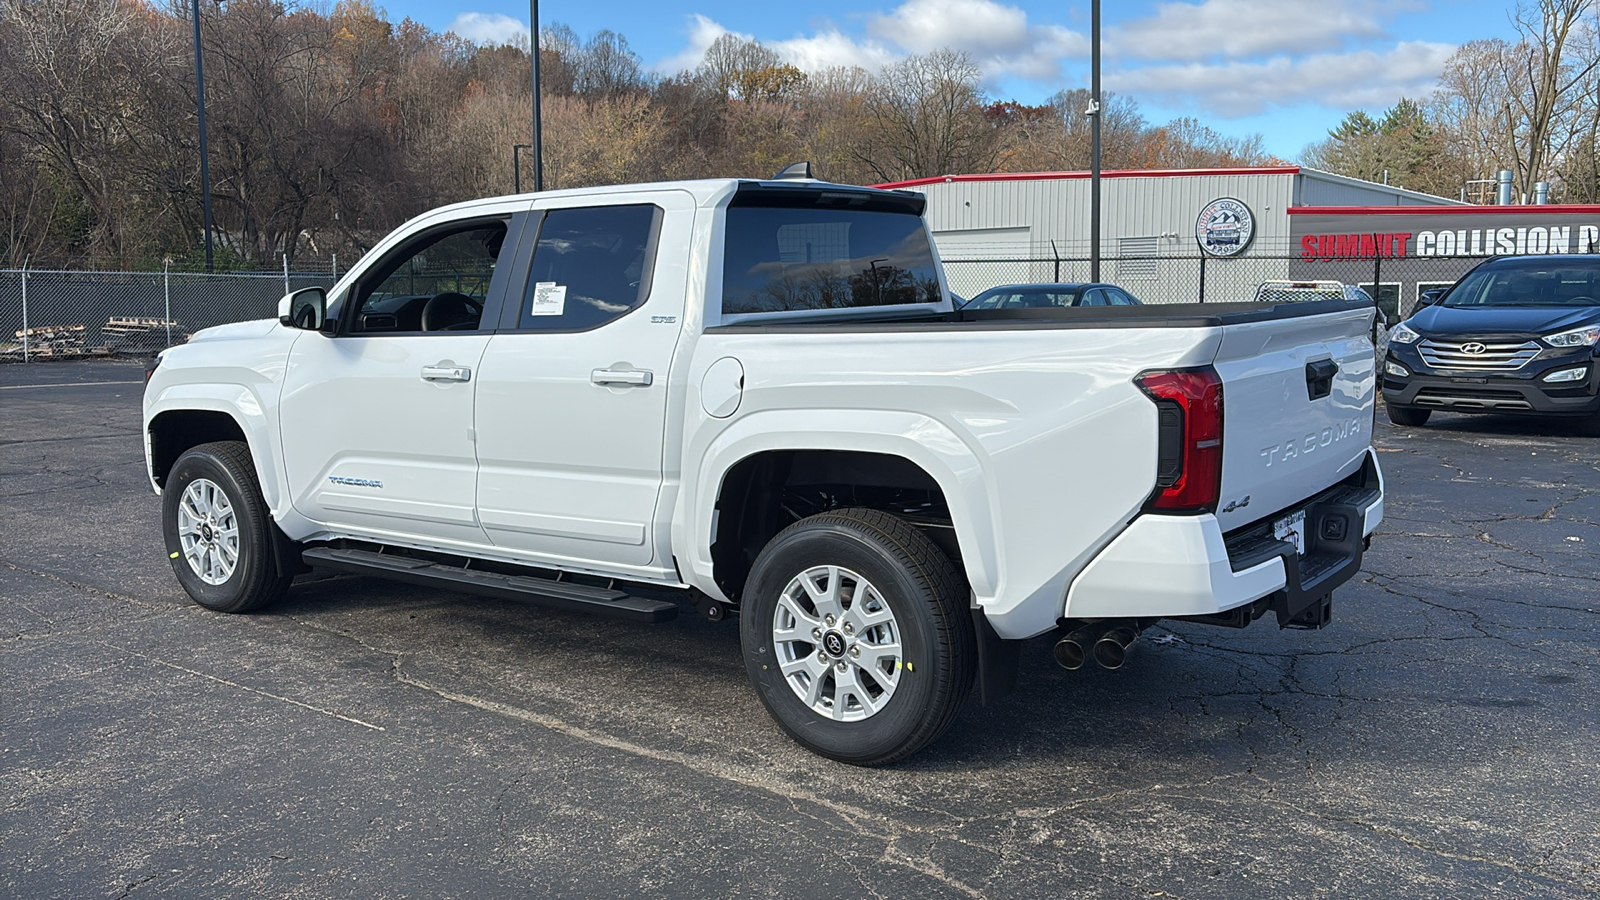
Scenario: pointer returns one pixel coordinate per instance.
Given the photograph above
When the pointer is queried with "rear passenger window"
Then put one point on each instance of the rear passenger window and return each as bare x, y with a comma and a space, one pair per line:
590, 266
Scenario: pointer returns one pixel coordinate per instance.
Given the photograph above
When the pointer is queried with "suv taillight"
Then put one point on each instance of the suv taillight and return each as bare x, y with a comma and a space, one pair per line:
1189, 467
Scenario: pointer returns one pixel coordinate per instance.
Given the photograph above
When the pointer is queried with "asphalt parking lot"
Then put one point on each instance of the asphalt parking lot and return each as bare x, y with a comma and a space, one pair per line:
366, 739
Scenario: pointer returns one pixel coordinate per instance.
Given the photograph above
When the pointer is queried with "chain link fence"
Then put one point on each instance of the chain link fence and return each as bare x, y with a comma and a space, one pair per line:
71, 315
52, 314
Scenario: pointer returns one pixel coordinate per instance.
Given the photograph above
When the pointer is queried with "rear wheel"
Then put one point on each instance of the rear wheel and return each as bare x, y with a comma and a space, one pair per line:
856, 636
218, 533
1407, 415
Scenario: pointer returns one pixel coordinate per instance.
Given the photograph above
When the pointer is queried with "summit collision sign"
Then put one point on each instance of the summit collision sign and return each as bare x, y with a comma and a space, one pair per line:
1474, 232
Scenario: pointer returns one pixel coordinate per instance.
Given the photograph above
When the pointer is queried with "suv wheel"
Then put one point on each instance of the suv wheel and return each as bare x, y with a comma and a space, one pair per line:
219, 536
856, 635
1407, 415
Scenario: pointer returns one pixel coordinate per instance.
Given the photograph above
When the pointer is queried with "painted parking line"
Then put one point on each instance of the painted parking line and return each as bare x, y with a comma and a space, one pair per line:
25, 387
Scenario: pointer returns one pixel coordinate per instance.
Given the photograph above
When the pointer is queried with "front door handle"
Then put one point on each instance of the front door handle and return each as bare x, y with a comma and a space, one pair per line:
446, 373
635, 377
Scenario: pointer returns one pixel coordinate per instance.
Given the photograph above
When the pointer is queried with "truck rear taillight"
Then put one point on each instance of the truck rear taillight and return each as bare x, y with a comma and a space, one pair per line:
1189, 467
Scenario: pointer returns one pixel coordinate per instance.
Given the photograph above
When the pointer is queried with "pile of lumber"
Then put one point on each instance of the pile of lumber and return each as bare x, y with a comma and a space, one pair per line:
139, 336
53, 341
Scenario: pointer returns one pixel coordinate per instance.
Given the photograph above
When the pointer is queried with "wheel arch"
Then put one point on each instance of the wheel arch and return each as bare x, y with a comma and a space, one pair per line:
175, 431
186, 416
736, 505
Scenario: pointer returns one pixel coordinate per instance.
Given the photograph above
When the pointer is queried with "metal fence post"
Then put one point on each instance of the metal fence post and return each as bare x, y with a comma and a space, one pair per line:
166, 293
1055, 253
286, 273
1202, 278
25, 262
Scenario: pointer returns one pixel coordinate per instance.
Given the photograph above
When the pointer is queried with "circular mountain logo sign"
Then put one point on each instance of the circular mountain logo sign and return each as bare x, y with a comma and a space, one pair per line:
1224, 227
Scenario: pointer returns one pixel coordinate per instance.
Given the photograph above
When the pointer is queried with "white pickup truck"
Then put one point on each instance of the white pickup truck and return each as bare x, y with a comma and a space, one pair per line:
756, 397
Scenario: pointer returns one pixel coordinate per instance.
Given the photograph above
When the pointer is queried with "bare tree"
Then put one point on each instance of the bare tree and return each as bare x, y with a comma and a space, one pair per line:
731, 62
1526, 105
1552, 83
608, 68
926, 115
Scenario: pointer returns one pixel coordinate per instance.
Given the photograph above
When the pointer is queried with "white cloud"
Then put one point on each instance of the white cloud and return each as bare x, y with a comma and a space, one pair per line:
703, 32
1235, 28
833, 49
1362, 79
490, 28
924, 25
999, 37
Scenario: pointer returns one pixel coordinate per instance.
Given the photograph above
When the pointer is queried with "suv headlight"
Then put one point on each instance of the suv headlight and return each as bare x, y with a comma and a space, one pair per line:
1402, 334
1587, 336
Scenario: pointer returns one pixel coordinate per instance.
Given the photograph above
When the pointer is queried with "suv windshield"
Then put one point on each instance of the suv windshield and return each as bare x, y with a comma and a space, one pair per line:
805, 250
1535, 283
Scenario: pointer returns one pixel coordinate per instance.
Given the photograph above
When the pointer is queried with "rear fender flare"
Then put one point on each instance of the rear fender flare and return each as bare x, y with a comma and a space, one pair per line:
929, 444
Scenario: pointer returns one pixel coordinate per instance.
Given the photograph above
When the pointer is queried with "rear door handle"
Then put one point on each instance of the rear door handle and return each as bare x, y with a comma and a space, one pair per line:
635, 377
446, 373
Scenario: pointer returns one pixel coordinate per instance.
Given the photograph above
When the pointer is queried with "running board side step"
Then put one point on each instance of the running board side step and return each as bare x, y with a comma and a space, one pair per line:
521, 588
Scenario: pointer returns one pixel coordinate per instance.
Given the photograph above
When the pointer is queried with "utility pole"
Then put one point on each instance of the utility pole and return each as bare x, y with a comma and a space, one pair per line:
200, 98
533, 46
1094, 140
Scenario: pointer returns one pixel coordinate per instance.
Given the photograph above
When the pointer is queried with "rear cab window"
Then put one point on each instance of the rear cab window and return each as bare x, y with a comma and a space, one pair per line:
808, 252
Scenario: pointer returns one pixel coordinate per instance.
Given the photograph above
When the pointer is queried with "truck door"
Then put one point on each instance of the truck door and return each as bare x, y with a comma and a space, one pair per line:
572, 406
377, 418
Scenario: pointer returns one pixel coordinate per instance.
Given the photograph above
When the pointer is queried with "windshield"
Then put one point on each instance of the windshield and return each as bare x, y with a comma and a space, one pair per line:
1024, 298
1538, 284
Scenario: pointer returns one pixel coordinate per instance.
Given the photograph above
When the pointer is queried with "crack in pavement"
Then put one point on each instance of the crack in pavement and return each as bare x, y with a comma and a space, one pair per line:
78, 585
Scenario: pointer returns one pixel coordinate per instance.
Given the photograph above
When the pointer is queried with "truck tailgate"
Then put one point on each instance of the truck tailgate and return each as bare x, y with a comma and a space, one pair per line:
1297, 409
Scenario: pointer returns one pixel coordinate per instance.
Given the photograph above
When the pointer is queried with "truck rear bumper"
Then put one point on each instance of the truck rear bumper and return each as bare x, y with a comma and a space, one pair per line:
1172, 566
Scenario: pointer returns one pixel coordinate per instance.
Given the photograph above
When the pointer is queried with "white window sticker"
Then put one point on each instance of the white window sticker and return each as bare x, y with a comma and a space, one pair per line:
549, 299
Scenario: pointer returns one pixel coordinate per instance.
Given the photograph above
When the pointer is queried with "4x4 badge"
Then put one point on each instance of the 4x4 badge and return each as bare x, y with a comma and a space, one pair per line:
1237, 504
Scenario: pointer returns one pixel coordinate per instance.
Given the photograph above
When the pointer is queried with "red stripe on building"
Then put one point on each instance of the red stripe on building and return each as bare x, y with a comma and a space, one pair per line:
1525, 210
1069, 176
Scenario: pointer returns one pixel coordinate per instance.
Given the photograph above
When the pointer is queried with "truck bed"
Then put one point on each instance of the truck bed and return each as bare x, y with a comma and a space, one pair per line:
1165, 315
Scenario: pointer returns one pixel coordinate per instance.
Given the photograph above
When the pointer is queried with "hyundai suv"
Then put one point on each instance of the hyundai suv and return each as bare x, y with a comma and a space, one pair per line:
1515, 335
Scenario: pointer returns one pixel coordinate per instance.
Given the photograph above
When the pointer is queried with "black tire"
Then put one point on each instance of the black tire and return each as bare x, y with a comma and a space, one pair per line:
928, 600
254, 580
1590, 426
1407, 415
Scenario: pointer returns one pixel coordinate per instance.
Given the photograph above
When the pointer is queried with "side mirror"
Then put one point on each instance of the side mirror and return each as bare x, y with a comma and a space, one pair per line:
1429, 298
306, 309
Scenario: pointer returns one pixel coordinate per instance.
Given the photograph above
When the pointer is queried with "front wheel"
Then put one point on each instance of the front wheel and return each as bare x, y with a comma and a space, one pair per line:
1407, 415
856, 636
218, 533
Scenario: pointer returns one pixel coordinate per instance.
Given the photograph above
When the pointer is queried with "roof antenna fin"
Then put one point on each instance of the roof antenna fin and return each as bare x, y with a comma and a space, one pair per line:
795, 171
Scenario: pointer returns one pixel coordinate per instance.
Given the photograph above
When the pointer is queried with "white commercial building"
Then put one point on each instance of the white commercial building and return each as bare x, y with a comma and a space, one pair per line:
1166, 235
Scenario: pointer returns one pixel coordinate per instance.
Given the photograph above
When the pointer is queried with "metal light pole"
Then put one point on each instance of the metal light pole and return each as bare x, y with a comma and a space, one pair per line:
516, 165
200, 98
1094, 140
533, 46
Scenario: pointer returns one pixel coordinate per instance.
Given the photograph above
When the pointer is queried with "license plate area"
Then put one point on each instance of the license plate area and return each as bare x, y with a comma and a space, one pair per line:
1292, 528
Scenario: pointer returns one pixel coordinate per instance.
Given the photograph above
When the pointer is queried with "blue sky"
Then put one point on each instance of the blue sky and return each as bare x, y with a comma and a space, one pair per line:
1287, 69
